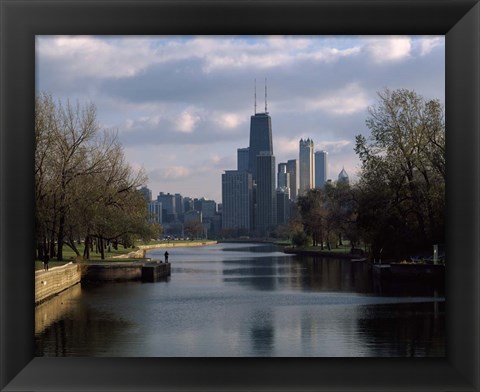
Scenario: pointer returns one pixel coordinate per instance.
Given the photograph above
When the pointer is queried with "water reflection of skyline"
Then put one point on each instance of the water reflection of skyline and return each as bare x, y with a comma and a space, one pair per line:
266, 306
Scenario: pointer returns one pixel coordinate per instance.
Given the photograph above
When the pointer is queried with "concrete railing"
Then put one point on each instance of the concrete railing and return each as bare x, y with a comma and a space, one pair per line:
55, 280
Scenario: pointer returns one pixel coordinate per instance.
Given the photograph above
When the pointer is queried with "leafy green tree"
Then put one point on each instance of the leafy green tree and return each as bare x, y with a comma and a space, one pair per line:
402, 183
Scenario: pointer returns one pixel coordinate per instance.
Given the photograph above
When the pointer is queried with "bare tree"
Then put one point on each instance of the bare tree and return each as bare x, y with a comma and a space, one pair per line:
84, 187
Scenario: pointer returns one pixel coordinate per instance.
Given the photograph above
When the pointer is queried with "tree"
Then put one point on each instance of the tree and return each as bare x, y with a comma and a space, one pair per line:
193, 229
402, 184
314, 213
84, 189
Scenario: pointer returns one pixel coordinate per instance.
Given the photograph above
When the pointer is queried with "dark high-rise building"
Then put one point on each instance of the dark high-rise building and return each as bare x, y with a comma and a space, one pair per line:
197, 204
237, 204
169, 212
179, 207
283, 206
292, 170
283, 177
147, 193
242, 158
187, 204
266, 210
155, 212
209, 208
321, 167
260, 139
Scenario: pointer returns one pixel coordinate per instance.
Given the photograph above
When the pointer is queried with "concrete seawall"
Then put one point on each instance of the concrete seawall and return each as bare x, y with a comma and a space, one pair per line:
113, 272
125, 271
53, 309
55, 280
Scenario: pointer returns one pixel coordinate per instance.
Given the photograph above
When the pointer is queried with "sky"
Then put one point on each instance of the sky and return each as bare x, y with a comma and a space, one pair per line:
181, 105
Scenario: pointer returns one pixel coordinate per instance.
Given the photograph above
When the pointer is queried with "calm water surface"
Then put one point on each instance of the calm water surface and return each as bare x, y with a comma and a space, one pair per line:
246, 300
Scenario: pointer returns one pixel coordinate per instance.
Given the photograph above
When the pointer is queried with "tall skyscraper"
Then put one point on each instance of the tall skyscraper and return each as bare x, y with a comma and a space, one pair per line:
260, 139
209, 208
242, 158
169, 211
155, 212
283, 177
307, 166
292, 170
266, 210
321, 168
260, 135
237, 203
179, 207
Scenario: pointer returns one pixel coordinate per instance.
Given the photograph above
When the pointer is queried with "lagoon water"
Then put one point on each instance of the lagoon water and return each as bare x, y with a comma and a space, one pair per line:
244, 300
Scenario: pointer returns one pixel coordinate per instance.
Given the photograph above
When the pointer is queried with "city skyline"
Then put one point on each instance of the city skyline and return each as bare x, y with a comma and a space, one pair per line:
182, 105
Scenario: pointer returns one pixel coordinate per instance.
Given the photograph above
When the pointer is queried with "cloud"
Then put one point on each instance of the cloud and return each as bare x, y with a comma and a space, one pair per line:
389, 49
94, 57
334, 146
428, 44
170, 173
182, 105
220, 162
229, 120
350, 99
187, 121
286, 146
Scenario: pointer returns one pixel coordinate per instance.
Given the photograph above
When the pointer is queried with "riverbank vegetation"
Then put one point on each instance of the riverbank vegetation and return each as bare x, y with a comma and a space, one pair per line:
396, 209
85, 191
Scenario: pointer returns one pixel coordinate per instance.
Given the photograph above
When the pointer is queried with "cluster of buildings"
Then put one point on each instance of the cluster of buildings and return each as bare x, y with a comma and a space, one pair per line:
256, 197
176, 213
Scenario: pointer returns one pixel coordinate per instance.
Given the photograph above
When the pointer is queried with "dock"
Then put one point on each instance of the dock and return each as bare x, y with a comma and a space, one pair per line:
409, 270
153, 272
145, 271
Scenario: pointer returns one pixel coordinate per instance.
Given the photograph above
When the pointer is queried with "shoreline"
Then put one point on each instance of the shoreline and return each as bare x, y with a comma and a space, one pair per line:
142, 249
322, 253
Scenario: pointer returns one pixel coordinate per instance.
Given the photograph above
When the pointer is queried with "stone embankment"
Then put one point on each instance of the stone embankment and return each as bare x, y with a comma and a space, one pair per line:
50, 283
55, 280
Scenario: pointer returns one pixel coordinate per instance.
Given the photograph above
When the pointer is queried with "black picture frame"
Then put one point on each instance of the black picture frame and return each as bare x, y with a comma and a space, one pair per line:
458, 20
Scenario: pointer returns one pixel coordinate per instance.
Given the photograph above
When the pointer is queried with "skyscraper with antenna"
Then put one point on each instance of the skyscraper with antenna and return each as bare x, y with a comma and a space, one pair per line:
260, 134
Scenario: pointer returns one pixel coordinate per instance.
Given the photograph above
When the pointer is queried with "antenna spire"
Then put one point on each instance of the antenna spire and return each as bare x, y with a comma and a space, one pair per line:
255, 95
266, 95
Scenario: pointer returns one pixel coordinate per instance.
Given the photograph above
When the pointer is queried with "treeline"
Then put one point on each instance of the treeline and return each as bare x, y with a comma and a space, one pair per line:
85, 191
397, 207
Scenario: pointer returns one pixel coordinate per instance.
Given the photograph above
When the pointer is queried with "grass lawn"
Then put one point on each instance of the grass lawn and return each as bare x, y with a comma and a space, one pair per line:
283, 242
69, 254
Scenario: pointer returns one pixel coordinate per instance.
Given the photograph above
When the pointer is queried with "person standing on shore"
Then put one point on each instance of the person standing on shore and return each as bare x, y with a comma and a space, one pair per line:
45, 262
166, 257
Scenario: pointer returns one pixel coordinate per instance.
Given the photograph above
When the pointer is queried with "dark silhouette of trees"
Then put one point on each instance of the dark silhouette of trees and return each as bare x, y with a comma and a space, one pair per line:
402, 183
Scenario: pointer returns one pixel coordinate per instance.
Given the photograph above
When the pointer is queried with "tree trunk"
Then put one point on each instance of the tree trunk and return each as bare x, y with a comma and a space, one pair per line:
86, 251
102, 248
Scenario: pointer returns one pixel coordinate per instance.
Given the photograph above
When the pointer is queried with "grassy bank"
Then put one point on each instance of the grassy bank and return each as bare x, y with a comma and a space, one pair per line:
113, 254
